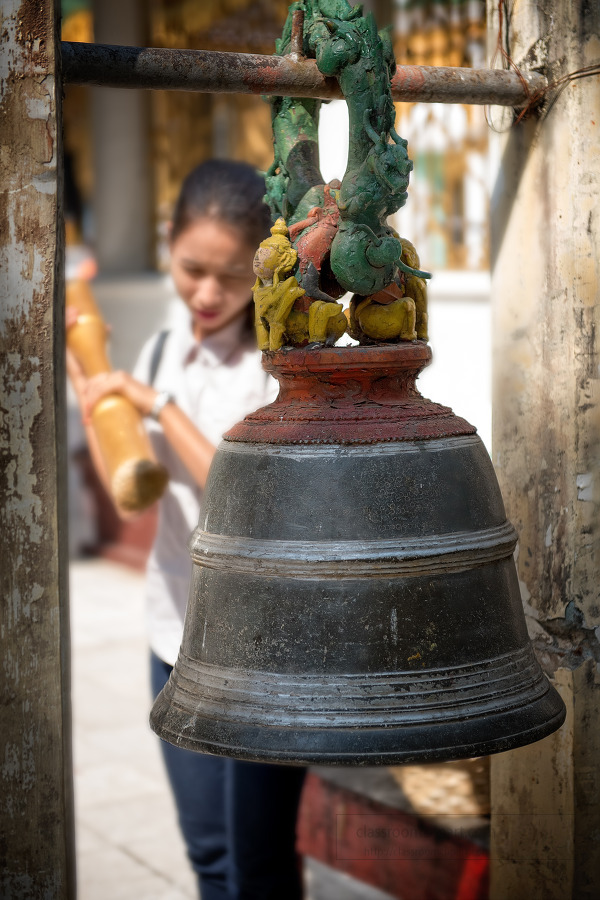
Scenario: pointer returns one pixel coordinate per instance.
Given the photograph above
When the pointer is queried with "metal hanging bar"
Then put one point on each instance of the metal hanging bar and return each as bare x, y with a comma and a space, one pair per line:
213, 71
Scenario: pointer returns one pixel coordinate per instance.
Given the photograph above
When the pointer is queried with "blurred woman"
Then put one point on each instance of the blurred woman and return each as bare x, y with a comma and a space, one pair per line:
193, 383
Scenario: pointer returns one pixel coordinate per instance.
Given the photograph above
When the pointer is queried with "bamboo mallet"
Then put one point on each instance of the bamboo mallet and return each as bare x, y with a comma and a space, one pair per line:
136, 479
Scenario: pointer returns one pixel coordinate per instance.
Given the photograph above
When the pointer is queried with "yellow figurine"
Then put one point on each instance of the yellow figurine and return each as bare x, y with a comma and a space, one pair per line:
409, 253
385, 322
326, 322
416, 288
274, 298
296, 327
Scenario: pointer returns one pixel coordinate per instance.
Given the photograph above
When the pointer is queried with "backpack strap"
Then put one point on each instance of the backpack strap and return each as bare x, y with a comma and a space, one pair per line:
157, 352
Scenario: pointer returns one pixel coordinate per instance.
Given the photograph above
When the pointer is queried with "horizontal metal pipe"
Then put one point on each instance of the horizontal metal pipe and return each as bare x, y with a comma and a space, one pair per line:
212, 71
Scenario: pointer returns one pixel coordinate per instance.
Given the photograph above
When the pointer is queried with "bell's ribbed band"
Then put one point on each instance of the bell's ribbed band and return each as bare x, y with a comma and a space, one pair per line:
414, 697
453, 552
319, 451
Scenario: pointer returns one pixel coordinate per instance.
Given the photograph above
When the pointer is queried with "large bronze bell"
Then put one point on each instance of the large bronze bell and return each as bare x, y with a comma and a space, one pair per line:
354, 597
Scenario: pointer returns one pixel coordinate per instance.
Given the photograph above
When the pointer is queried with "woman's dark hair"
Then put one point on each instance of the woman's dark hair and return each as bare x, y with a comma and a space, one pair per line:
231, 192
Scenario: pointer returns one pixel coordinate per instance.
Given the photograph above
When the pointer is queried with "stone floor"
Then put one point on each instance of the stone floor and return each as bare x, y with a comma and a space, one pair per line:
128, 844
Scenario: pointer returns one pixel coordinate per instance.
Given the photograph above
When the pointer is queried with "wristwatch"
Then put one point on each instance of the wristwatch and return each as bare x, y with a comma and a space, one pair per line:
162, 398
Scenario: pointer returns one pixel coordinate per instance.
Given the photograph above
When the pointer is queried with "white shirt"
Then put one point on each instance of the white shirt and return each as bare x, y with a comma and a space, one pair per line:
216, 382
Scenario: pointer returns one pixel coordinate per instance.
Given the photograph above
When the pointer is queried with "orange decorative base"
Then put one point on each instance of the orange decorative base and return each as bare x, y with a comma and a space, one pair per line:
349, 395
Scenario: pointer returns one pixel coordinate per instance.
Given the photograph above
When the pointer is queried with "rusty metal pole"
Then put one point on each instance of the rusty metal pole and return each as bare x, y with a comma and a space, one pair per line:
211, 71
36, 808
546, 447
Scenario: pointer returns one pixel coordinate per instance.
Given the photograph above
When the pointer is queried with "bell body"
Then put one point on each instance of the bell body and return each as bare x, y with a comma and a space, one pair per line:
354, 597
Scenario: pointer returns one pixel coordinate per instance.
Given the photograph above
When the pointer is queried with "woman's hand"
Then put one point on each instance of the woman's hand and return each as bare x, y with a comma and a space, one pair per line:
142, 396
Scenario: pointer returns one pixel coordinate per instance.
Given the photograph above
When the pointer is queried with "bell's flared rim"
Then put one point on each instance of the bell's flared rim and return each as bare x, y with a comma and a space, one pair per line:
465, 737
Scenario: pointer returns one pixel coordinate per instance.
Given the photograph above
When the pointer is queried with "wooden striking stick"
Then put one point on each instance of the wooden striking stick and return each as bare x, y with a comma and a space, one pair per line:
136, 480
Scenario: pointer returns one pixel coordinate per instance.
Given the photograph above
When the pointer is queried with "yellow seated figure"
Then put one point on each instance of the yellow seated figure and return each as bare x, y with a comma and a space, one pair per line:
394, 320
274, 297
273, 304
326, 322
416, 288
409, 254
296, 327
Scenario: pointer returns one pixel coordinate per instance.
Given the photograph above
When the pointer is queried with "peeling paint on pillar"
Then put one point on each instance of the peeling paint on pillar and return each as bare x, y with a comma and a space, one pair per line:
546, 282
36, 816
546, 447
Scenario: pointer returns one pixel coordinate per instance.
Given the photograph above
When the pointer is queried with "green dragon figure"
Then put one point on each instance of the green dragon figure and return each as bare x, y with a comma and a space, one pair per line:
351, 248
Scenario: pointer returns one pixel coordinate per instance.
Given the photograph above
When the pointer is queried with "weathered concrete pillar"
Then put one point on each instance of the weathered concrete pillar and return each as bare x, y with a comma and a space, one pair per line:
123, 215
546, 448
36, 813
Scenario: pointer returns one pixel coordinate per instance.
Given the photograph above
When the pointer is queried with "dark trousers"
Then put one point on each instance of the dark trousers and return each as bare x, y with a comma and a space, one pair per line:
238, 819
